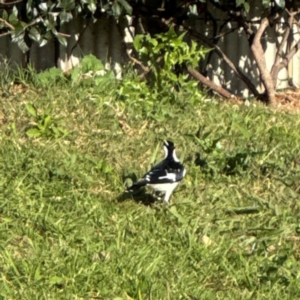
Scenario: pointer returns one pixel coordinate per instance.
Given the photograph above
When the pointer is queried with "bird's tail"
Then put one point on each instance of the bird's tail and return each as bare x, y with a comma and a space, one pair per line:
137, 185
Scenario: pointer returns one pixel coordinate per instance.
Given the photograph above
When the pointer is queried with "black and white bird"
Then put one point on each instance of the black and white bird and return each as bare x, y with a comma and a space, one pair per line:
165, 176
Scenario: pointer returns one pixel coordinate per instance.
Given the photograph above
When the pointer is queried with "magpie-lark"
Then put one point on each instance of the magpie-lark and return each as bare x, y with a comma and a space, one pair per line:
165, 176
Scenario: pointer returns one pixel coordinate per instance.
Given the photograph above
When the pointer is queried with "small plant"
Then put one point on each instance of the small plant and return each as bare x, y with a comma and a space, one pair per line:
91, 72
168, 56
44, 125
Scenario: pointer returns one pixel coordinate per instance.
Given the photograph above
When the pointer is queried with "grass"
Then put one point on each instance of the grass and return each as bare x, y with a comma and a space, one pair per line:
68, 230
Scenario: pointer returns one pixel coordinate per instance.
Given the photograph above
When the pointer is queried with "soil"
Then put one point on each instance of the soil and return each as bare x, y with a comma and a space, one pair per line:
288, 100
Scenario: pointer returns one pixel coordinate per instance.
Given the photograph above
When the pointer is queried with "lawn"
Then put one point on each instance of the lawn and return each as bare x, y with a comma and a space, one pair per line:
69, 231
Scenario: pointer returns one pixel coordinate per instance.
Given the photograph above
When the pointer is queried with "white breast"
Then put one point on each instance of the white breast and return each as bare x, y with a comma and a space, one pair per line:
164, 187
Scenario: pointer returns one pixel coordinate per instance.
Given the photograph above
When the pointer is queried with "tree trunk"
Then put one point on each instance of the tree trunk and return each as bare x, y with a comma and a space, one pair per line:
259, 56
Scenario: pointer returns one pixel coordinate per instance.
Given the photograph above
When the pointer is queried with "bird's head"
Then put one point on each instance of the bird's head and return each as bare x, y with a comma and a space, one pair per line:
169, 145
169, 148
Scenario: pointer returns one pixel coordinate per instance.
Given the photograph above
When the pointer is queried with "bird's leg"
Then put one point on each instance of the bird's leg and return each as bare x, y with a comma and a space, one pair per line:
167, 197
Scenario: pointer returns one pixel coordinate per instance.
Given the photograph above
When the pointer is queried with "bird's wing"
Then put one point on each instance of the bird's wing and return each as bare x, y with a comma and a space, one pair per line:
165, 172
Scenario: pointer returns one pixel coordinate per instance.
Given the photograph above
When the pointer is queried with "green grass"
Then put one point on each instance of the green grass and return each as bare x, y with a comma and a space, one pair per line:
68, 230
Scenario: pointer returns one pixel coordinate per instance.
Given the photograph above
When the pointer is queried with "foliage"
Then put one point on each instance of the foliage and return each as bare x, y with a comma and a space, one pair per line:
91, 72
167, 46
50, 76
167, 56
39, 21
44, 125
250, 21
68, 230
281, 17
246, 5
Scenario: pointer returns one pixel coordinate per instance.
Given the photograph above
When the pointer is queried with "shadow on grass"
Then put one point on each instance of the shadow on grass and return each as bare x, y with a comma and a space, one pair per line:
140, 196
199, 161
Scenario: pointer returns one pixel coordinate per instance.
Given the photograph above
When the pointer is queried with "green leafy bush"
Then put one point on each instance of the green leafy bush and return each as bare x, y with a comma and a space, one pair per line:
167, 56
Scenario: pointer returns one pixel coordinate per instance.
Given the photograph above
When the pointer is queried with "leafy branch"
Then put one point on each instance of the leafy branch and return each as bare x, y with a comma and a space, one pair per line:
40, 21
